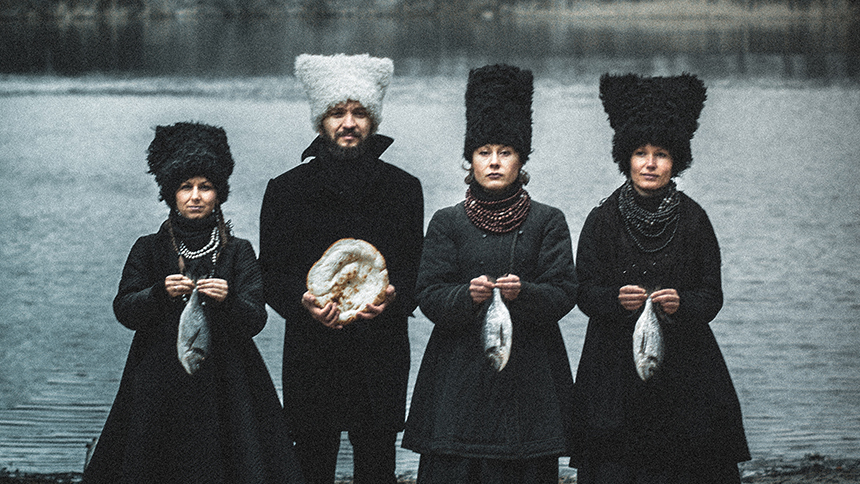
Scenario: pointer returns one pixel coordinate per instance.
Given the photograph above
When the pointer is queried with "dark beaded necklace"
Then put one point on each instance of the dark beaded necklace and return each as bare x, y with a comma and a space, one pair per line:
498, 216
651, 231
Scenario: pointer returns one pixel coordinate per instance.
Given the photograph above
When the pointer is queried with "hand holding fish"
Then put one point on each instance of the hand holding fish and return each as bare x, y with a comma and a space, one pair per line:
509, 285
327, 315
632, 297
481, 289
217, 289
178, 285
668, 299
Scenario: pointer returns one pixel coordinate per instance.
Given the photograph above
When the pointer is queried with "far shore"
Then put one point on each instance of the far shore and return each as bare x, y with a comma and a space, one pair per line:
591, 12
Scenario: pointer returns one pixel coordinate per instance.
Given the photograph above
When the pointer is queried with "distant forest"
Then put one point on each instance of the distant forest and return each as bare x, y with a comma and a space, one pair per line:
121, 10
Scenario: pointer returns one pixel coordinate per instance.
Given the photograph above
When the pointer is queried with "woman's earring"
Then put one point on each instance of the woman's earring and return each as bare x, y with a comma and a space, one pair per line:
524, 177
470, 175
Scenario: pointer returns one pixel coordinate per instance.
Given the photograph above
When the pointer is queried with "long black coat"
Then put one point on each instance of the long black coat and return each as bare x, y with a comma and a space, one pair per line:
223, 424
356, 376
460, 404
691, 410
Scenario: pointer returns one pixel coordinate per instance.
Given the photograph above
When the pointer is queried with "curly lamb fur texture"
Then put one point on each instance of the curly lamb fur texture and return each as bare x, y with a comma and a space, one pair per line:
185, 150
499, 109
331, 80
661, 111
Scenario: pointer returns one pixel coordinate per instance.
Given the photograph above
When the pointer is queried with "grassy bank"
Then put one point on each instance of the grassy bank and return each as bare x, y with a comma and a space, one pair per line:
813, 468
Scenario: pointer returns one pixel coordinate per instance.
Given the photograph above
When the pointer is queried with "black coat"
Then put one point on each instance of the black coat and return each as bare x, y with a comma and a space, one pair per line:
356, 376
224, 424
690, 410
460, 404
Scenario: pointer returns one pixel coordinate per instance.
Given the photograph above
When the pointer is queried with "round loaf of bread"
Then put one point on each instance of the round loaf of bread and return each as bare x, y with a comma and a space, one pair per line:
351, 273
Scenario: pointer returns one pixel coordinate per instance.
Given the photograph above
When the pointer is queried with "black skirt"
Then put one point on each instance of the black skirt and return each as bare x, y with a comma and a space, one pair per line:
617, 472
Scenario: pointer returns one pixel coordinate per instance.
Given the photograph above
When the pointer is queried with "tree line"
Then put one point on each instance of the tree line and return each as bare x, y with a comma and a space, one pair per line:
136, 9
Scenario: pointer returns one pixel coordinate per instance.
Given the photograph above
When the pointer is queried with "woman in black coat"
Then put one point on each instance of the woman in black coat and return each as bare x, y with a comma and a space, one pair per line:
504, 419
211, 415
682, 425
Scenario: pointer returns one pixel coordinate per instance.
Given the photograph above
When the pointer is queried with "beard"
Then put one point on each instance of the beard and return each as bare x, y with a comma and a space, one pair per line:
340, 153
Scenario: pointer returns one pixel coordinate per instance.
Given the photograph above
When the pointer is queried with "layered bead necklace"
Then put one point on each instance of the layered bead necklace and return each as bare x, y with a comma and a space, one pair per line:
211, 248
498, 216
648, 228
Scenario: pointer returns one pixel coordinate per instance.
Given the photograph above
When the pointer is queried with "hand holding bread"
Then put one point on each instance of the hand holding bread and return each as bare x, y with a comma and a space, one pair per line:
349, 282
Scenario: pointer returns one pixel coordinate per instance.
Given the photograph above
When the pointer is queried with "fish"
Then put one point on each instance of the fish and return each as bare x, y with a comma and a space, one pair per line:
194, 339
648, 347
497, 332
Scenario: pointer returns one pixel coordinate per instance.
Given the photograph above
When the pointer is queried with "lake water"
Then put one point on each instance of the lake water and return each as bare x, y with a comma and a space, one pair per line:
775, 166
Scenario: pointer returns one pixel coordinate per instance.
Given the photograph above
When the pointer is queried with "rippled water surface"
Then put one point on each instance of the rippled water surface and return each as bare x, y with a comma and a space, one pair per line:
775, 165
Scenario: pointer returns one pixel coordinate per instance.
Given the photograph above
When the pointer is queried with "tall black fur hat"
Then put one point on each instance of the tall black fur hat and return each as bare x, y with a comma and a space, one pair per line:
499, 109
185, 150
661, 111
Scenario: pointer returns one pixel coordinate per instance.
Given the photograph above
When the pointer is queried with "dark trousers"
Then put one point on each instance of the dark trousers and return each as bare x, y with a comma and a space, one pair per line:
373, 456
453, 469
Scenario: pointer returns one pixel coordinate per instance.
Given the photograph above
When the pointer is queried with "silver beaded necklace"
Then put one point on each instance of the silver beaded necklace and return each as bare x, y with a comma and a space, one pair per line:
210, 247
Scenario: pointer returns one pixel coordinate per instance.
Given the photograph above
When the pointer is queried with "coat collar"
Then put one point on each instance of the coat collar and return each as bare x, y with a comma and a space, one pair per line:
377, 144
348, 181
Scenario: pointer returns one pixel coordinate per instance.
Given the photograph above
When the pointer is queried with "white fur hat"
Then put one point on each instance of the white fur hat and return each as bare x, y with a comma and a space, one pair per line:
331, 80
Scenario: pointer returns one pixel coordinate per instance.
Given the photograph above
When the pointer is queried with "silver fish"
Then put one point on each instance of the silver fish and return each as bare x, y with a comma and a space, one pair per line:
497, 332
648, 348
193, 341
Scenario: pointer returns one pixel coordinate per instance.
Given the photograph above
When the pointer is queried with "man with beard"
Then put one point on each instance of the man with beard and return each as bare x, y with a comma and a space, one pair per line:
343, 377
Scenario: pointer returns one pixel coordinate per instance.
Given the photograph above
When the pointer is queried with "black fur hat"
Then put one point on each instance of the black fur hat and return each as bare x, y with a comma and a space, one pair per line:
661, 111
185, 150
499, 109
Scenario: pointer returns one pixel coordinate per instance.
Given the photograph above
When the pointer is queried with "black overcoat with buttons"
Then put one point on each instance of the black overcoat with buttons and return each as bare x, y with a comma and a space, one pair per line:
460, 404
689, 412
355, 377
